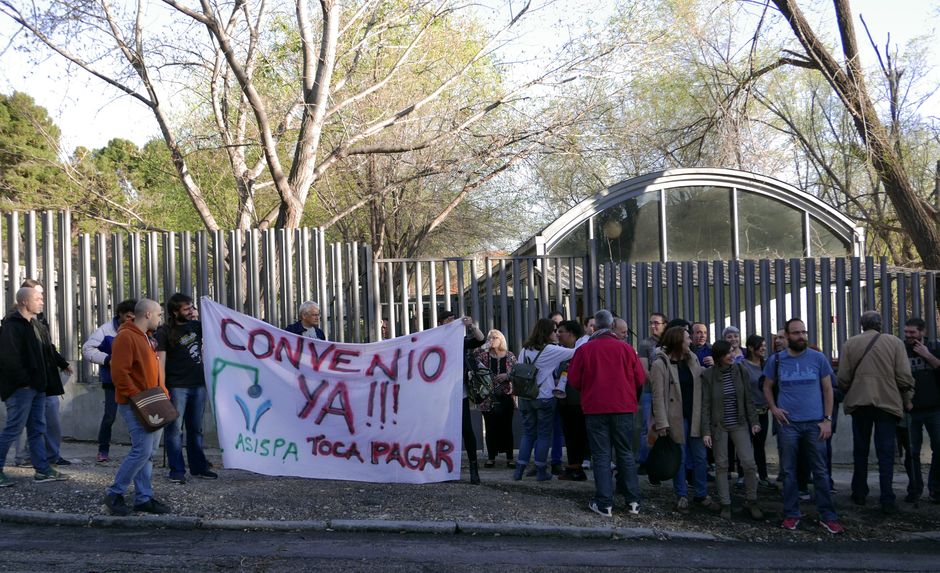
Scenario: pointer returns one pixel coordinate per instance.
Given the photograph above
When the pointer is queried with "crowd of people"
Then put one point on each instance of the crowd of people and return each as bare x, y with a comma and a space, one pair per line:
715, 403
719, 403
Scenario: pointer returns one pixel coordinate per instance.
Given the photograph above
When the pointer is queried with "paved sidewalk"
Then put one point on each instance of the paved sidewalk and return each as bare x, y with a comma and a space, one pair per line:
244, 500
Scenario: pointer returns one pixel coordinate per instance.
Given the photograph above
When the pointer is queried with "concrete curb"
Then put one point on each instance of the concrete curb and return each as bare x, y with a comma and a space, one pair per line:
378, 526
347, 525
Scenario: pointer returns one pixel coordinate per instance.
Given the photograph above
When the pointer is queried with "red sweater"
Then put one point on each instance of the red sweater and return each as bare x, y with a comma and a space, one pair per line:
608, 373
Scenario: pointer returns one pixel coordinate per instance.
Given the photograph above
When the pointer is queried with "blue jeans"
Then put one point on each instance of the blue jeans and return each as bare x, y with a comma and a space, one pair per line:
53, 428
558, 438
646, 407
791, 438
606, 431
693, 453
110, 414
137, 466
864, 420
191, 404
538, 418
26, 407
919, 421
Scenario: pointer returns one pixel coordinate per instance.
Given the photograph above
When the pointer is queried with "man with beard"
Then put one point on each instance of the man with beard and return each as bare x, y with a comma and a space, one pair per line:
803, 408
924, 357
179, 348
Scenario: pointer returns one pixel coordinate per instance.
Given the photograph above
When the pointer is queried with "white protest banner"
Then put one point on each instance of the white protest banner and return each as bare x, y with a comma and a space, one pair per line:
286, 405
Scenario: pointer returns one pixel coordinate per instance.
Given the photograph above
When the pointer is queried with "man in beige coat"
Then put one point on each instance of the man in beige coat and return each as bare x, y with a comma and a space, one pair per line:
875, 375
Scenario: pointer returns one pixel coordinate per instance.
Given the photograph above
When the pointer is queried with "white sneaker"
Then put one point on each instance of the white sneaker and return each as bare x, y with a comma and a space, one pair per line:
634, 508
605, 511
586, 464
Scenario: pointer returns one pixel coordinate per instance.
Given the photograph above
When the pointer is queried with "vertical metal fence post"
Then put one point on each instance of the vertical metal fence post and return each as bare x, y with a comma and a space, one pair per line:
117, 267
50, 278
825, 287
841, 311
101, 279
66, 291
85, 290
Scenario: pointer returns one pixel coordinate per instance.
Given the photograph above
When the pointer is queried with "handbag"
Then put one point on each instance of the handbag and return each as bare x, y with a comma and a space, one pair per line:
524, 383
154, 409
664, 459
479, 381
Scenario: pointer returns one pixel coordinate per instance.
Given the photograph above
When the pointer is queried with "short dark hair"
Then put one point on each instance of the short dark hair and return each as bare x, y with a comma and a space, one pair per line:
445, 314
125, 306
753, 343
672, 339
555, 313
587, 320
792, 320
871, 320
916, 322
572, 326
720, 349
680, 322
660, 315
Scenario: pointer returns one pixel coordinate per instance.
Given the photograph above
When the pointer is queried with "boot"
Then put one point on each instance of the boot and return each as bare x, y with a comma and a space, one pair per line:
543, 473
754, 510
520, 469
474, 473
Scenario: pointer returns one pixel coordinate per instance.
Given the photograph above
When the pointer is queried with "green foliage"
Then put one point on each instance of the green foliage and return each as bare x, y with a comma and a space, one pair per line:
30, 171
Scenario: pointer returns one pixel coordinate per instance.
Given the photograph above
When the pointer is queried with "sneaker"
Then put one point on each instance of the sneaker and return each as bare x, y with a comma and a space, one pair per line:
152, 506
511, 464
573, 474
832, 526
24, 464
739, 484
49, 476
489, 464
178, 479
519, 471
586, 465
532, 471
790, 523
682, 505
101, 458
634, 508
114, 505
5, 481
543, 473
209, 474
61, 462
804, 495
725, 512
765, 483
605, 511
754, 510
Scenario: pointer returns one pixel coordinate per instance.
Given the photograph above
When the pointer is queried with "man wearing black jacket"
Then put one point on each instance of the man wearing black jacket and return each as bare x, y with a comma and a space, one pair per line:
29, 368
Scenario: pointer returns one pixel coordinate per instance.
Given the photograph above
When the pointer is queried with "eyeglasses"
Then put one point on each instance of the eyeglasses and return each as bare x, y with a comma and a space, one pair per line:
655, 322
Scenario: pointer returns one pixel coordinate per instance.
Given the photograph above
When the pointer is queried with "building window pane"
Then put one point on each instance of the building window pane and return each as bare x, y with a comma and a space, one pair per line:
698, 223
825, 243
574, 244
768, 228
629, 231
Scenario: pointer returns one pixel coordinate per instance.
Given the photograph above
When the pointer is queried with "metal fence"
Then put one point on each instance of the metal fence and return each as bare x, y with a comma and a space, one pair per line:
268, 274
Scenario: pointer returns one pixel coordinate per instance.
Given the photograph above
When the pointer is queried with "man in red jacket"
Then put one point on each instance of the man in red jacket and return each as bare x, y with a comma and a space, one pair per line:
608, 373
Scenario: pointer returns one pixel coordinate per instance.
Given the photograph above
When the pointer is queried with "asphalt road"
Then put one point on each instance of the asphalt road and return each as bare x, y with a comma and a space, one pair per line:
48, 548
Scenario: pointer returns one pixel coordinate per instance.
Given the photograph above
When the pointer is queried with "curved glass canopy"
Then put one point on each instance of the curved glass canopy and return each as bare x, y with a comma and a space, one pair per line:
700, 214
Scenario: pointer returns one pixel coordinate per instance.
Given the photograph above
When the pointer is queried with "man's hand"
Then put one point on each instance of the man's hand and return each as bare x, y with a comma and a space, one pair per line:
663, 431
467, 321
825, 430
708, 361
921, 349
707, 440
68, 370
780, 415
755, 429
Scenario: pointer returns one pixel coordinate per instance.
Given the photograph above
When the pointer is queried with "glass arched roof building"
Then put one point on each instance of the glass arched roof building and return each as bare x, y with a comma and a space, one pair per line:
700, 214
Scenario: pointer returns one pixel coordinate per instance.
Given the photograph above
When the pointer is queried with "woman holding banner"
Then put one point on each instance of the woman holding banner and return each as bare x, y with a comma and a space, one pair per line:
538, 415
498, 407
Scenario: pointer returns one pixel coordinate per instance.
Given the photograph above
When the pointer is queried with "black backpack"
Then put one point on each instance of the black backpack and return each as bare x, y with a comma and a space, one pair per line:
479, 380
524, 374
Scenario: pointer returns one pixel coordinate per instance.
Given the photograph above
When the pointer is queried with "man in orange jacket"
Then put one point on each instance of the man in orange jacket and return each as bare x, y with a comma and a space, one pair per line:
134, 369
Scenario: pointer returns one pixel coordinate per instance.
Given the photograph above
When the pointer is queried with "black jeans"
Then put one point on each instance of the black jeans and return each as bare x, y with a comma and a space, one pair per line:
864, 420
469, 437
107, 420
573, 424
759, 441
499, 428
